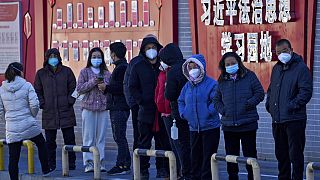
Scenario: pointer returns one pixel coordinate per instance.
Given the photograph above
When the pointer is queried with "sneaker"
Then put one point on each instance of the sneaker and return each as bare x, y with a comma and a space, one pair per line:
103, 169
119, 170
46, 174
162, 173
88, 167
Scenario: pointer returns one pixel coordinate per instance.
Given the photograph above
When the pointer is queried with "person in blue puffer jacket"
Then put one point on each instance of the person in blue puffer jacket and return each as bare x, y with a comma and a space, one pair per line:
195, 105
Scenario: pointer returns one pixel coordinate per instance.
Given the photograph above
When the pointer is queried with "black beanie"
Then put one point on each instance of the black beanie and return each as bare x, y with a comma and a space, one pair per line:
119, 49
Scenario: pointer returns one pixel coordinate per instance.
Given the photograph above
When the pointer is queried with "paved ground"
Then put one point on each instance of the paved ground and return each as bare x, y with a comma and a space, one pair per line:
268, 169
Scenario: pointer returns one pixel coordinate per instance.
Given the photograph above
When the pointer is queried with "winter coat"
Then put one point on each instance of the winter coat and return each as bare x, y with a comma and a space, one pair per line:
195, 100
172, 56
142, 83
54, 90
129, 98
162, 103
289, 91
19, 107
236, 100
114, 91
94, 99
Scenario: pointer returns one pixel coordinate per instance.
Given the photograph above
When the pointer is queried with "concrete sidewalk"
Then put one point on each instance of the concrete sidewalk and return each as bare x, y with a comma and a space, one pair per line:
268, 169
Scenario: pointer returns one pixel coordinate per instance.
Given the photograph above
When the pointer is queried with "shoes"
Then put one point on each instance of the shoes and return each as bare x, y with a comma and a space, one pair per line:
103, 169
119, 170
162, 173
88, 167
48, 173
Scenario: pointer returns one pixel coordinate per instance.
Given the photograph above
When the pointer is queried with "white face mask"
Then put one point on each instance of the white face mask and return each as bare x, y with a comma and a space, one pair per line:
194, 73
151, 53
284, 57
163, 66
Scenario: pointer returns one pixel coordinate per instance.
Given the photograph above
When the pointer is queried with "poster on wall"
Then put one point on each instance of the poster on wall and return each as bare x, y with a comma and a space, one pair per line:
111, 14
123, 13
10, 34
134, 13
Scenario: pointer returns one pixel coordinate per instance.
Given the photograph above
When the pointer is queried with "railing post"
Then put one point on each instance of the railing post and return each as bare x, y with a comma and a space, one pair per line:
29, 145
96, 162
214, 167
255, 168
65, 162
136, 165
172, 164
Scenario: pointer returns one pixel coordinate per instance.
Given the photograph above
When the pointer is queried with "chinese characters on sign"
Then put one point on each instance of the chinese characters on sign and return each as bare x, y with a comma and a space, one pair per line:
244, 8
252, 45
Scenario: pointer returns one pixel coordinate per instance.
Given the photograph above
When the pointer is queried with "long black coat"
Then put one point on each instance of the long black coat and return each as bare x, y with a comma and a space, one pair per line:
289, 91
236, 100
54, 92
114, 91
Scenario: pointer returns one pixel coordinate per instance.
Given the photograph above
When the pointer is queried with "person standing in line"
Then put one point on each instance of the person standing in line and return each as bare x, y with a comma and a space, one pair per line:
142, 84
19, 107
238, 93
289, 91
54, 85
119, 109
134, 107
93, 105
172, 56
195, 105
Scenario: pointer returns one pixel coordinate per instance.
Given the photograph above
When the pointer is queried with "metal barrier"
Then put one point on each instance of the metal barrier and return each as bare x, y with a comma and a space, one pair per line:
73, 148
234, 159
154, 153
25, 143
310, 170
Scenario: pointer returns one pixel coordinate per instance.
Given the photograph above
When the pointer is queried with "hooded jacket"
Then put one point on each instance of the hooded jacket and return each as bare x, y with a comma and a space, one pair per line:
143, 81
195, 100
162, 103
289, 91
19, 107
172, 56
54, 90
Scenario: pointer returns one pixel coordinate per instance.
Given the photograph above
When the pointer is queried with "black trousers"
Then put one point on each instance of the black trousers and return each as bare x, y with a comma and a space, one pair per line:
290, 141
134, 117
69, 139
232, 146
14, 156
161, 143
203, 145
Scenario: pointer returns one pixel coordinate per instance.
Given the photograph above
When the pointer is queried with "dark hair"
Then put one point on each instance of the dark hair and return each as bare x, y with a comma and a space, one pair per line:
283, 41
103, 66
242, 69
48, 54
13, 70
119, 49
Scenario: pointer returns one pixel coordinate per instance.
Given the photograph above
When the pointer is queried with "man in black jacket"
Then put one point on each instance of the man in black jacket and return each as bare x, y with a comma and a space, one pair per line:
172, 56
142, 84
289, 91
119, 109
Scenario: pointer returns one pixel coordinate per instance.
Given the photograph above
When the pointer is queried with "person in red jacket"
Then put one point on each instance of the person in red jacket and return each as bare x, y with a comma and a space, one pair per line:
163, 106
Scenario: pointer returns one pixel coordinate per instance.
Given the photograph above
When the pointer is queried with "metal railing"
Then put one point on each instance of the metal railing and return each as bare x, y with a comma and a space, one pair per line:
310, 170
234, 159
25, 143
73, 148
154, 153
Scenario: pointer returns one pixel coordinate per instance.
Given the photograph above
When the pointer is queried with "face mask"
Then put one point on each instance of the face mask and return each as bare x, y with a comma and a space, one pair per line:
232, 69
151, 53
96, 62
53, 62
163, 66
194, 73
284, 57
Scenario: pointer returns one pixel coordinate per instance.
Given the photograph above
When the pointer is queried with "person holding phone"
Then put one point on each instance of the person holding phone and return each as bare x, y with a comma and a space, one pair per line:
93, 105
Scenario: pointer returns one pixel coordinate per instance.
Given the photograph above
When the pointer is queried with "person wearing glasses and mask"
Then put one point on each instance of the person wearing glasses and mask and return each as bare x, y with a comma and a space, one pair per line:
93, 105
289, 91
142, 85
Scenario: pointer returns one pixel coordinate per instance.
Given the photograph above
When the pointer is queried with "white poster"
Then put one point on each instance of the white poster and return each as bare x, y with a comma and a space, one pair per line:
10, 34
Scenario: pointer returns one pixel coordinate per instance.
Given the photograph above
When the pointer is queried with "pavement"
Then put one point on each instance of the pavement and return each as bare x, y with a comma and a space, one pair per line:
268, 169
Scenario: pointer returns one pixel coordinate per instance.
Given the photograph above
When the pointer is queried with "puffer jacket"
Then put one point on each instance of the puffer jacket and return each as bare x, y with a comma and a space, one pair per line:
195, 100
19, 107
162, 103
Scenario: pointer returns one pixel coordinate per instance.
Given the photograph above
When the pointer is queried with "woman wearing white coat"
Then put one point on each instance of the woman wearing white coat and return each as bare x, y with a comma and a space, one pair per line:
19, 107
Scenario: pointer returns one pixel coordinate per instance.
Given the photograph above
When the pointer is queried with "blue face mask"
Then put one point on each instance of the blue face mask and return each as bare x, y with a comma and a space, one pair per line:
53, 62
232, 69
96, 62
